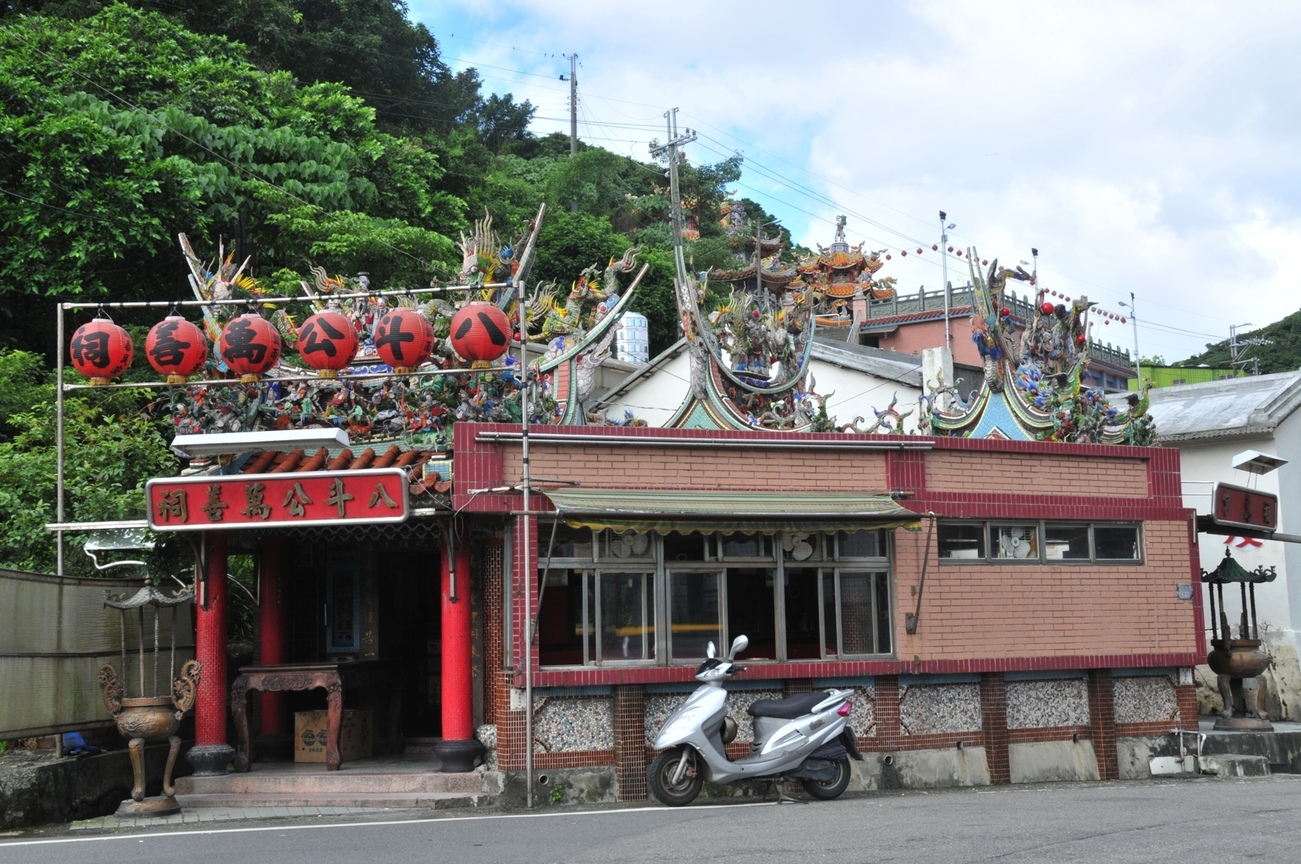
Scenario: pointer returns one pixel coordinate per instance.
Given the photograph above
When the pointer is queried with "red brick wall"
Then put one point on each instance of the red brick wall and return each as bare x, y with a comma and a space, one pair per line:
1102, 719
630, 742
1019, 474
993, 715
703, 468
1008, 610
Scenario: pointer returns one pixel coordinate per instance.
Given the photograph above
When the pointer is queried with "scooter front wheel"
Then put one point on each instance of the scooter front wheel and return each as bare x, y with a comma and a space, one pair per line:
825, 790
674, 776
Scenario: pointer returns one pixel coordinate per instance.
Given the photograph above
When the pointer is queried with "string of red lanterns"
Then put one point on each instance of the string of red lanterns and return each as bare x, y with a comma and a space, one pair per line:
935, 247
250, 346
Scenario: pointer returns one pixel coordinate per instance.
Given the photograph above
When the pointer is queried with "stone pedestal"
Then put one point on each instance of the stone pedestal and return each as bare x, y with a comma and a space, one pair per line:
210, 760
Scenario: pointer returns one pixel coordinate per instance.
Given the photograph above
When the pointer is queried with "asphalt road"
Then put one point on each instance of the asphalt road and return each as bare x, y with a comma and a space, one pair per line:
1200, 819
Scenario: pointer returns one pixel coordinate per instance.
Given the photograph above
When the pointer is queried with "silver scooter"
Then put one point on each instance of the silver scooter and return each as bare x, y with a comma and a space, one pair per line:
804, 737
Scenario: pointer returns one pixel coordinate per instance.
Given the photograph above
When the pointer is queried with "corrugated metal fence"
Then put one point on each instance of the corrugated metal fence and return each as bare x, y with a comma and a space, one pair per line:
55, 634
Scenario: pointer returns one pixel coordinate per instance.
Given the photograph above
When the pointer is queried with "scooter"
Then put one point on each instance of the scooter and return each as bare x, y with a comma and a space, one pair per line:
804, 737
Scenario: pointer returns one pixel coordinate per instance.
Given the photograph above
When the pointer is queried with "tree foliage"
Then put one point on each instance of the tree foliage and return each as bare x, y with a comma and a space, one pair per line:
122, 130
116, 452
1274, 348
301, 132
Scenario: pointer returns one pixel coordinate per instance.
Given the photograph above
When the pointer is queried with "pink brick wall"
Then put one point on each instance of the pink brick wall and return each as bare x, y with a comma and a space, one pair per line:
1011, 610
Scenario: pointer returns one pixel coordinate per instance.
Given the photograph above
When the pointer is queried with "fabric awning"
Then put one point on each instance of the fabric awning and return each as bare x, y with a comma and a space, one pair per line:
686, 510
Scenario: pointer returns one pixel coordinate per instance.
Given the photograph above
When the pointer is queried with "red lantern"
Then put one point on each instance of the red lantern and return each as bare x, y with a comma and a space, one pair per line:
480, 332
887, 257
903, 253
950, 248
101, 351
1046, 308
935, 247
1005, 311
404, 339
327, 343
250, 346
919, 250
176, 348
1079, 340
984, 262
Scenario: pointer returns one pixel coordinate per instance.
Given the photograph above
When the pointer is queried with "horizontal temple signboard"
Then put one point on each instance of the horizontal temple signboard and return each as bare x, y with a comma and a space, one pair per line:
210, 503
1237, 507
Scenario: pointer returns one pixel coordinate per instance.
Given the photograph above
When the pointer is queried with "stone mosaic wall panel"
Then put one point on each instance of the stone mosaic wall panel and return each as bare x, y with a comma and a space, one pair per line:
1044, 704
930, 709
862, 719
569, 724
1145, 699
660, 705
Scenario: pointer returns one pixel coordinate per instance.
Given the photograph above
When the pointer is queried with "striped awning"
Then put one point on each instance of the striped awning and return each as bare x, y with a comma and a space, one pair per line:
686, 510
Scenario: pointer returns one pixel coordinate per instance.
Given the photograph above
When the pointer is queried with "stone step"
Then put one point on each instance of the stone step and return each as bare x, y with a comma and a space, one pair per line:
342, 798
321, 783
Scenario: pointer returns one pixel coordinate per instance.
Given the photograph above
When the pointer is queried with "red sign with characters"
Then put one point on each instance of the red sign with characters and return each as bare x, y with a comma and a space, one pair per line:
1244, 508
210, 503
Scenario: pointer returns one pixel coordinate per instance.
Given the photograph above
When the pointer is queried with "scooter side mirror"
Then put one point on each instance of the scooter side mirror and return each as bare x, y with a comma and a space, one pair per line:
739, 644
710, 651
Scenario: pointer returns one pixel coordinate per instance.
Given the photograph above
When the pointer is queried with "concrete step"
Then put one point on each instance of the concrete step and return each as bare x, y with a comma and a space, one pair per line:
345, 781
1235, 765
342, 798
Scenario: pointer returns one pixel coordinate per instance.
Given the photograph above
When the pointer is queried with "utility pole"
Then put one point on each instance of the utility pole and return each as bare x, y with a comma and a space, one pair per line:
1138, 364
1237, 347
945, 225
573, 103
675, 199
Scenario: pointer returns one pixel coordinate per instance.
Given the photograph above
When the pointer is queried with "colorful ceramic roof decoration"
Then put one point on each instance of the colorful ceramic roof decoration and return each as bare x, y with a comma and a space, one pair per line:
1032, 387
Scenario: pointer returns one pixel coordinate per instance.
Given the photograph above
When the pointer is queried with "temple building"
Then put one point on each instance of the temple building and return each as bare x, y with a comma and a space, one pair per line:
486, 546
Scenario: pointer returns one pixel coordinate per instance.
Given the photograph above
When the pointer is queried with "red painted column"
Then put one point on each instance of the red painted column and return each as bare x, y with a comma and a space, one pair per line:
210, 753
458, 748
458, 716
272, 618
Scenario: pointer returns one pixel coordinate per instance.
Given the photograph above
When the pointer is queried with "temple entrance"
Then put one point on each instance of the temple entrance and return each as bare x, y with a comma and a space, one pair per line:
371, 603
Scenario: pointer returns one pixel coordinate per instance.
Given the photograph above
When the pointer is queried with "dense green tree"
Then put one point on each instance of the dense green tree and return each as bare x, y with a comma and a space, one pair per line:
122, 129
1273, 348
116, 452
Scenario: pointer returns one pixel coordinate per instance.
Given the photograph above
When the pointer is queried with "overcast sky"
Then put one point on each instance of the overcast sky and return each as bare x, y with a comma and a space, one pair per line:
1141, 147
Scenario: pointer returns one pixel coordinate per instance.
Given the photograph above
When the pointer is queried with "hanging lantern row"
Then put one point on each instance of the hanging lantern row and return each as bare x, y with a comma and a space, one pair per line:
1107, 317
250, 345
935, 247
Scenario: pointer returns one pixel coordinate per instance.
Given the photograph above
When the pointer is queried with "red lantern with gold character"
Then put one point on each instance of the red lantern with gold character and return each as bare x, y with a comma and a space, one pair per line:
327, 343
101, 351
250, 346
480, 332
404, 339
176, 348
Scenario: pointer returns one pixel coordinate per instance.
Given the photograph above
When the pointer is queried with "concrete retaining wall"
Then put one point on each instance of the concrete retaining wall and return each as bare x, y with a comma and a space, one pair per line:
49, 790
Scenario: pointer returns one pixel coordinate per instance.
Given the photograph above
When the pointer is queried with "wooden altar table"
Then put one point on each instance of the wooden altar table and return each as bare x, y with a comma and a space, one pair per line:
330, 677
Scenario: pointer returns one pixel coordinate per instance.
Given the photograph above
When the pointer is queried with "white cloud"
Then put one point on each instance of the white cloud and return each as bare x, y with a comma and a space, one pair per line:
1143, 147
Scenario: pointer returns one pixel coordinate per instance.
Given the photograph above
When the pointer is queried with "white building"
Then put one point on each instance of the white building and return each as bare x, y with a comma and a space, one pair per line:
1211, 423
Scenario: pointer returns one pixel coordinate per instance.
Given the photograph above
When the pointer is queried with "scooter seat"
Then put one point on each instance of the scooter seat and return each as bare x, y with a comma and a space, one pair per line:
788, 708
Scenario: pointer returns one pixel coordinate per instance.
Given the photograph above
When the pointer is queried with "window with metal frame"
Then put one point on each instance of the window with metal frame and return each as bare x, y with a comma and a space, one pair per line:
611, 597
1039, 542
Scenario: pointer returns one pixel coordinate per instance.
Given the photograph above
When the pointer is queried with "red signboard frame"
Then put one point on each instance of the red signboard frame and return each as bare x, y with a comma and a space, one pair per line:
241, 501
1240, 507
